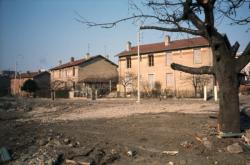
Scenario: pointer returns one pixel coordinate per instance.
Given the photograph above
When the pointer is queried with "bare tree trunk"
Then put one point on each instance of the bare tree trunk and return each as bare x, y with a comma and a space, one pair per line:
125, 91
229, 114
227, 77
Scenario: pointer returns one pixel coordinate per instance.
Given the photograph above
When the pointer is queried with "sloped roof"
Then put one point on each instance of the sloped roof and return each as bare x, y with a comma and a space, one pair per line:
173, 45
80, 61
28, 74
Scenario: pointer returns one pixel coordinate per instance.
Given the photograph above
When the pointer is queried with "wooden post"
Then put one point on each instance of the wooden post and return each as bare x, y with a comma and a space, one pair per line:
110, 87
205, 93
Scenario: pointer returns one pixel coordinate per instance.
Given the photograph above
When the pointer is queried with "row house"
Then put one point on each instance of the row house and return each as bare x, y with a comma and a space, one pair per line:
84, 74
42, 79
155, 69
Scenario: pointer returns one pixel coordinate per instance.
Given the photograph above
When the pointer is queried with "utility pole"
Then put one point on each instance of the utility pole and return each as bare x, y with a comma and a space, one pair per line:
138, 69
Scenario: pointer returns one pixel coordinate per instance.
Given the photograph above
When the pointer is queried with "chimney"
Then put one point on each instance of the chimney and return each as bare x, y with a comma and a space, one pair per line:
128, 46
87, 56
72, 59
167, 40
60, 62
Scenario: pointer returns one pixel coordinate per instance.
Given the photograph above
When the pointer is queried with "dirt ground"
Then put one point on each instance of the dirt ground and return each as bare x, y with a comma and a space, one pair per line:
117, 131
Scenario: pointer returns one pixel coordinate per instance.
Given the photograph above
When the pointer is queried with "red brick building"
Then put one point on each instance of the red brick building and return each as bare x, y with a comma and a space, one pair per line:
41, 78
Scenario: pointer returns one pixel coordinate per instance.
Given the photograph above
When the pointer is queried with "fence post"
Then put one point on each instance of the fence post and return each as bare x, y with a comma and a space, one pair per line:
110, 87
205, 93
215, 93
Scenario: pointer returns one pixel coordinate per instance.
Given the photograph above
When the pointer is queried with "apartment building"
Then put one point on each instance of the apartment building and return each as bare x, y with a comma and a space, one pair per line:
155, 70
80, 75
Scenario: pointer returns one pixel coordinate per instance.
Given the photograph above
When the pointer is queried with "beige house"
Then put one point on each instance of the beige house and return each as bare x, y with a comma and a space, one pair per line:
155, 70
80, 76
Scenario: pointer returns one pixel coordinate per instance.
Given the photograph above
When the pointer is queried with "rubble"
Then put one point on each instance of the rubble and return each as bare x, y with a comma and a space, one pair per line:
171, 153
131, 153
186, 144
4, 155
246, 137
170, 163
89, 143
207, 143
234, 148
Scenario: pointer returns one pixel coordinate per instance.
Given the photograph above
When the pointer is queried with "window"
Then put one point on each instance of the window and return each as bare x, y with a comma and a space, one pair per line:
151, 81
169, 79
128, 59
169, 59
151, 60
197, 56
74, 71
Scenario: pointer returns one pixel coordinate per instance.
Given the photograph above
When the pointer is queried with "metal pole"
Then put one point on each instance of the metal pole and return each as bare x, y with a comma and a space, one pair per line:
138, 70
14, 90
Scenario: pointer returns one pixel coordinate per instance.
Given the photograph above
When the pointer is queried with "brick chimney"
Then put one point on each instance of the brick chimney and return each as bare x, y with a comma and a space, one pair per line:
167, 40
128, 46
72, 59
87, 56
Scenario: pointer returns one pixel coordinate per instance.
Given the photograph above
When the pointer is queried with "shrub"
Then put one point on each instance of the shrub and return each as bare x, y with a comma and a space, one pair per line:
29, 86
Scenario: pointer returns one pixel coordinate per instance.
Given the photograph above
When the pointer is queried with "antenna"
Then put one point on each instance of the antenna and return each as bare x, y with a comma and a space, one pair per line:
88, 48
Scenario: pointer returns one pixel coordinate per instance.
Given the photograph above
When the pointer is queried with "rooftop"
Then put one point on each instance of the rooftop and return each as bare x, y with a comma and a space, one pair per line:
79, 62
173, 45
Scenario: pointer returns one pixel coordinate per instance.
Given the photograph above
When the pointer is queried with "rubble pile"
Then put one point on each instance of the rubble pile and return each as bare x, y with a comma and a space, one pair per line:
58, 149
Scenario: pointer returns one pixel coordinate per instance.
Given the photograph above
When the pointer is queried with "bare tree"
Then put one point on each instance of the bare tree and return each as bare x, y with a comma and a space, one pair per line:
126, 81
198, 17
57, 84
198, 82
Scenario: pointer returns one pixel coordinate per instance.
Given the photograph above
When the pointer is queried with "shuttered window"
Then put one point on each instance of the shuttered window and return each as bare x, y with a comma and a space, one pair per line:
150, 60
128, 59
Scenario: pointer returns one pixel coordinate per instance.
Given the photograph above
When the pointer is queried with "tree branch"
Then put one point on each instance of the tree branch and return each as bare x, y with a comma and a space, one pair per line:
244, 59
177, 29
235, 48
191, 70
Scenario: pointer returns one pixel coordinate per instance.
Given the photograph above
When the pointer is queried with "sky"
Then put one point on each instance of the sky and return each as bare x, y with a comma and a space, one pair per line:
37, 34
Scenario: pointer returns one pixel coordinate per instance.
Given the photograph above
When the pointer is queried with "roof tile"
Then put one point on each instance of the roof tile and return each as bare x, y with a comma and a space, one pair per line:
174, 45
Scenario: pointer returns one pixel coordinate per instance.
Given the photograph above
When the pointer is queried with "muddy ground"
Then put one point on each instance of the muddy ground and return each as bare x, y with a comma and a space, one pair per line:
118, 131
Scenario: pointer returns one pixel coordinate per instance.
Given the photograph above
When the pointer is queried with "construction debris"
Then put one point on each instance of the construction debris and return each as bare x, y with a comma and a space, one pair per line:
229, 135
171, 153
4, 155
234, 148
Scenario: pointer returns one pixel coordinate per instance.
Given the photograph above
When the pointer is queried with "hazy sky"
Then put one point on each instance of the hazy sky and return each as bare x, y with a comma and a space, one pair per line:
38, 33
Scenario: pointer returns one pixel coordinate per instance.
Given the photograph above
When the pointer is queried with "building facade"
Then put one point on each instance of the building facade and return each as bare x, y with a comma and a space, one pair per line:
5, 77
84, 74
156, 72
